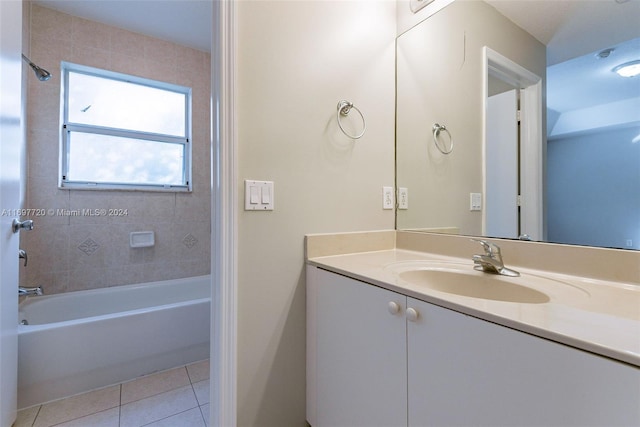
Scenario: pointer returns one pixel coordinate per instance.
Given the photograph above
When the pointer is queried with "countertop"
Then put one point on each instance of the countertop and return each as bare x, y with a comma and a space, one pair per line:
597, 316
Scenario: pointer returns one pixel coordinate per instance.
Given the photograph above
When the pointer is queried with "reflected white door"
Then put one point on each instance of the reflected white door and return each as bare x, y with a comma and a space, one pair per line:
10, 146
501, 151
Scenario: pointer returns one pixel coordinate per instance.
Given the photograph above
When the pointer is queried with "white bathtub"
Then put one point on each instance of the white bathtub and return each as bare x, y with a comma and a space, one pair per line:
80, 341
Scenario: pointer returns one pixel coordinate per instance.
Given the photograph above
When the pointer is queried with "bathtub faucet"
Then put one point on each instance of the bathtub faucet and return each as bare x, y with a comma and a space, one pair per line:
23, 292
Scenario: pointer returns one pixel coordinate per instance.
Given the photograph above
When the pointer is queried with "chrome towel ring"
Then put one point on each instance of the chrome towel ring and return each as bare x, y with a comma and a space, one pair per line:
343, 110
436, 132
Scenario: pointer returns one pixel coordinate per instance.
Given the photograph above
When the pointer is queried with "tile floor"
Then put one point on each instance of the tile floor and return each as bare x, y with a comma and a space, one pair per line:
175, 398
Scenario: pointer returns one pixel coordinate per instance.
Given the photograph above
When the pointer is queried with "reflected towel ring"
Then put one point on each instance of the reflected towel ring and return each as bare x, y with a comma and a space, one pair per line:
436, 132
343, 110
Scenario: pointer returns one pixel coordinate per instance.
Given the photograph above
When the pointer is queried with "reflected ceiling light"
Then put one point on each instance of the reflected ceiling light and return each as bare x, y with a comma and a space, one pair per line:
628, 69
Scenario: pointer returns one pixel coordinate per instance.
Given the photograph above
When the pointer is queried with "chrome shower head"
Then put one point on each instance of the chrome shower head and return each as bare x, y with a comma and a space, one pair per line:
42, 74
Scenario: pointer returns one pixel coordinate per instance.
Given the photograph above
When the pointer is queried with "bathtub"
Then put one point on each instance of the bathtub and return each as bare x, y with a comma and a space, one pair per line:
79, 341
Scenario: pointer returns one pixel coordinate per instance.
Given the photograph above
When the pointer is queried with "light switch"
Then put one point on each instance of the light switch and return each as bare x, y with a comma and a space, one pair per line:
255, 194
258, 195
266, 195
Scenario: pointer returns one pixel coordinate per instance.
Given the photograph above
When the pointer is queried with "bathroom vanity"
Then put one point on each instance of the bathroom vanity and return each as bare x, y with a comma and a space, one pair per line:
397, 337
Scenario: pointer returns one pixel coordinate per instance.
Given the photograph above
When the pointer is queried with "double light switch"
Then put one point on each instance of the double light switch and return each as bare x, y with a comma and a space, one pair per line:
258, 195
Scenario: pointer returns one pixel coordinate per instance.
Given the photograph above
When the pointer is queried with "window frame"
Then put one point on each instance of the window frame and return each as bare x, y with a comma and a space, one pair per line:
67, 127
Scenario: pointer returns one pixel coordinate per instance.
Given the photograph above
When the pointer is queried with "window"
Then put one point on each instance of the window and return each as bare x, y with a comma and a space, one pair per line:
124, 132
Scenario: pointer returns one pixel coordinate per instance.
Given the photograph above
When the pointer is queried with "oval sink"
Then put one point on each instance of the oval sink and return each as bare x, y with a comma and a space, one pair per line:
475, 285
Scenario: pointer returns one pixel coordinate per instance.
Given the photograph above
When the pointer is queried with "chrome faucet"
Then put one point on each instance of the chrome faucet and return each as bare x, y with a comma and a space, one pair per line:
491, 261
23, 292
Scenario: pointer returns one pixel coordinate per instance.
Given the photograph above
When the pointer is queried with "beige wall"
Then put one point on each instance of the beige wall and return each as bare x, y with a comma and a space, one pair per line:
440, 80
55, 259
296, 60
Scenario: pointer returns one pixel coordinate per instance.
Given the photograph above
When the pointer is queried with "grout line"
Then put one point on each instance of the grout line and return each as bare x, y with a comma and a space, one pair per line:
36, 417
120, 407
202, 415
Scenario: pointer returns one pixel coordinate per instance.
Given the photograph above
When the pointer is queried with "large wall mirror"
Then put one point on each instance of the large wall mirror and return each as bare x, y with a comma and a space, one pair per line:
513, 122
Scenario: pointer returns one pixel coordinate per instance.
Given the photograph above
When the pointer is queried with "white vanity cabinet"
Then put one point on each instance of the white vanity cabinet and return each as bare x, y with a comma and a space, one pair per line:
467, 371
356, 353
379, 358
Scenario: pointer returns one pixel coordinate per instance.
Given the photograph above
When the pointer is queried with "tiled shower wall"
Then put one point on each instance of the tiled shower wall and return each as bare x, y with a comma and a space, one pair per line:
68, 253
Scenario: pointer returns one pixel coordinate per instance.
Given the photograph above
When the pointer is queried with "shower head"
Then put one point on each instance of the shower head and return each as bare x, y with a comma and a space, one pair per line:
42, 74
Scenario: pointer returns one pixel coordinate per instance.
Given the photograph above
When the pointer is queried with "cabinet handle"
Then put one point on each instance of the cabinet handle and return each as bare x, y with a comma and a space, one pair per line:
393, 307
412, 314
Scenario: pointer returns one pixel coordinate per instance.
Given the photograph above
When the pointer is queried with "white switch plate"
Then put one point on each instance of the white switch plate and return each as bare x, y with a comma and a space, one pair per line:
258, 195
475, 201
387, 197
403, 198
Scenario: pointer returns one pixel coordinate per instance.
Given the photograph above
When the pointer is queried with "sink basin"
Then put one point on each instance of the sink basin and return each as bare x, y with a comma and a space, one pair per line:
474, 284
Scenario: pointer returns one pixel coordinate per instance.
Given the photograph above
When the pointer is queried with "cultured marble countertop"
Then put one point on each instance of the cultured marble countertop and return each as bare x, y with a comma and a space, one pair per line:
596, 316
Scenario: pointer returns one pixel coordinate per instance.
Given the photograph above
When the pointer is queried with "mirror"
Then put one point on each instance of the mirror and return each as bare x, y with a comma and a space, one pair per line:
579, 181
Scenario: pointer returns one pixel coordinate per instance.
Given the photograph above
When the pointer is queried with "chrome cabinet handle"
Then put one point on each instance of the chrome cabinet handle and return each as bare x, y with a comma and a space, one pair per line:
25, 225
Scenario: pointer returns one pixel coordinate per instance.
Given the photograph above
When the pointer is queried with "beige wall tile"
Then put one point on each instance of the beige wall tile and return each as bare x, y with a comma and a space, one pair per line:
161, 50
43, 157
62, 266
91, 56
127, 43
91, 34
46, 248
51, 24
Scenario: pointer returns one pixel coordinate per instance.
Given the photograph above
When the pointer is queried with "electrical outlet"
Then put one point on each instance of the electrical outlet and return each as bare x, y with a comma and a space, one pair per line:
629, 243
475, 201
387, 197
403, 198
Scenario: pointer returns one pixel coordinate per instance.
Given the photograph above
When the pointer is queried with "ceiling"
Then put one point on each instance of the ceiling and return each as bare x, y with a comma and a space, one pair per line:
572, 28
574, 31
569, 28
186, 22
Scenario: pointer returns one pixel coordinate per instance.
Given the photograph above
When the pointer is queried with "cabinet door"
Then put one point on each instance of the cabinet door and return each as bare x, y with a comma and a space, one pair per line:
467, 371
361, 354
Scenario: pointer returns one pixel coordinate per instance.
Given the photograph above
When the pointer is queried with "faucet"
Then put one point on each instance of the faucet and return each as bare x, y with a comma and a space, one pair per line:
491, 260
23, 292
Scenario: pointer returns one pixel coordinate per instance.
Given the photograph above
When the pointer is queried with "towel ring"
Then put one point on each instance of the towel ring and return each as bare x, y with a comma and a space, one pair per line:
343, 110
436, 132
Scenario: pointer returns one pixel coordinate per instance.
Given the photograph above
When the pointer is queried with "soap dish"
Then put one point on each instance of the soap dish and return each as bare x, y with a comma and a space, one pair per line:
141, 239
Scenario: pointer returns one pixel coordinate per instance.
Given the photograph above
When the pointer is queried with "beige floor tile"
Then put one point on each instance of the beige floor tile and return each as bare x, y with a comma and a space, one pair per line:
201, 389
78, 406
108, 418
26, 417
153, 384
190, 418
198, 371
157, 407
